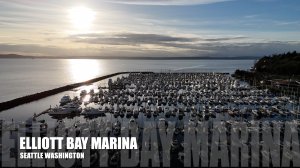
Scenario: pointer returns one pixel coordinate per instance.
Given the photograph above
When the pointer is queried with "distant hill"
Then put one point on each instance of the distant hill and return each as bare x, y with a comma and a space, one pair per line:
128, 57
280, 73
279, 64
14, 56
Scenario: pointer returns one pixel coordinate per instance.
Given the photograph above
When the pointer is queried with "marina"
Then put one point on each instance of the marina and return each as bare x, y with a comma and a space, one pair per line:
143, 83
181, 102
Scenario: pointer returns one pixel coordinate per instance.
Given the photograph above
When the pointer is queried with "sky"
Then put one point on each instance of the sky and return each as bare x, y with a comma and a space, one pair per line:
149, 28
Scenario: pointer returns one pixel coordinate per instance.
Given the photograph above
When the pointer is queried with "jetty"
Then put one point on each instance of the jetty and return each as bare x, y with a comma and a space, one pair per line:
37, 96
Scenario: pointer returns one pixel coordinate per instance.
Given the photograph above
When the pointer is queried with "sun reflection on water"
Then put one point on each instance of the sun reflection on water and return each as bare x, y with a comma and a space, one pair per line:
86, 98
84, 69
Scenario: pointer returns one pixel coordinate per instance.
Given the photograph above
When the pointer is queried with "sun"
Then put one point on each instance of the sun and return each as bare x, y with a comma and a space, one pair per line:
81, 17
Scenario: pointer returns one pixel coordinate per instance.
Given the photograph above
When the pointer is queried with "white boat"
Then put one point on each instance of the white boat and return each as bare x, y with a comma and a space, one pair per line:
32, 126
132, 123
162, 123
135, 112
167, 112
92, 92
65, 99
83, 93
70, 108
88, 111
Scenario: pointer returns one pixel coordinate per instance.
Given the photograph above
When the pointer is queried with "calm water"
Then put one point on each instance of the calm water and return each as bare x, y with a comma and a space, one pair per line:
20, 77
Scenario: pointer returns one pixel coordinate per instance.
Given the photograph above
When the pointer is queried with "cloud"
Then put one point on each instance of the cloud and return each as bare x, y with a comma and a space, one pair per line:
225, 38
140, 39
42, 50
166, 2
174, 48
129, 39
155, 45
187, 45
251, 16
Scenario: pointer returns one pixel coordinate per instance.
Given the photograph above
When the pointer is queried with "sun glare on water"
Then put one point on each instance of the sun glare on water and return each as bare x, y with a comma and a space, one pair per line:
83, 69
81, 18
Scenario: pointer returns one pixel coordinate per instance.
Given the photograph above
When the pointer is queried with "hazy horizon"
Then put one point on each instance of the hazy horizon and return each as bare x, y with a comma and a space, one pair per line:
143, 28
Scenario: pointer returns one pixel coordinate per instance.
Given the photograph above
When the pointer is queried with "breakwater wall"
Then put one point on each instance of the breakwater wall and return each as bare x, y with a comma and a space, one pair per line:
37, 96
